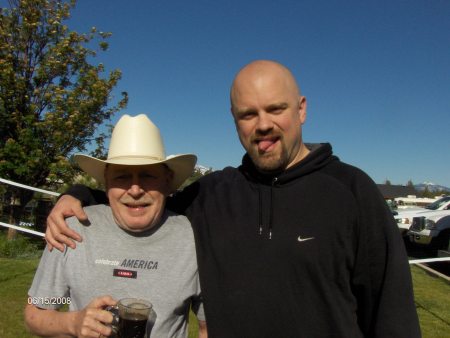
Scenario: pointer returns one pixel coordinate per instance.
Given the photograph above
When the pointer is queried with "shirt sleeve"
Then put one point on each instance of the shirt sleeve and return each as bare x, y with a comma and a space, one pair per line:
197, 308
381, 279
49, 285
197, 305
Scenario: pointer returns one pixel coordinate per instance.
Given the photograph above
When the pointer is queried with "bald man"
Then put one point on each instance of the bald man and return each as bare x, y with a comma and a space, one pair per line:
269, 111
294, 242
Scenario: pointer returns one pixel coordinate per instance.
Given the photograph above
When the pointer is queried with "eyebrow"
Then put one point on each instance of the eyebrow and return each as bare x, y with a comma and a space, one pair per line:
244, 111
272, 106
278, 105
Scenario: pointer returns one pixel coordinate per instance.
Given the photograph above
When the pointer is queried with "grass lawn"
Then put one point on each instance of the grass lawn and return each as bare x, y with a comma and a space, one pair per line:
432, 296
15, 278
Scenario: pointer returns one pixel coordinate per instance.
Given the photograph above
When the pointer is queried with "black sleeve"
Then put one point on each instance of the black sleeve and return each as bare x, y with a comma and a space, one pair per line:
181, 201
382, 277
87, 196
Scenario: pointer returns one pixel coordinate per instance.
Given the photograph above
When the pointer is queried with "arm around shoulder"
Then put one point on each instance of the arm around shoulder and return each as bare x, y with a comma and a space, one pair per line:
58, 233
86, 195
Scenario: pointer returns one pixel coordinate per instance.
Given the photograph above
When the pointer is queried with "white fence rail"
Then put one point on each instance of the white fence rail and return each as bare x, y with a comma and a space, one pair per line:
28, 187
18, 228
33, 232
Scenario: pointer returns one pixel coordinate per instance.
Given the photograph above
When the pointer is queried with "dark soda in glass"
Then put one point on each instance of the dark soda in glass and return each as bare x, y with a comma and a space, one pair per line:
132, 327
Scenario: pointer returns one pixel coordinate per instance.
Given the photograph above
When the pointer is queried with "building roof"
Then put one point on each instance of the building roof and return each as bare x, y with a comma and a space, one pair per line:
390, 191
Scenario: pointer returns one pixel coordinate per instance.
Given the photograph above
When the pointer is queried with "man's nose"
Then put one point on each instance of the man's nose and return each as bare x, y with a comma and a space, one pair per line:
265, 122
135, 189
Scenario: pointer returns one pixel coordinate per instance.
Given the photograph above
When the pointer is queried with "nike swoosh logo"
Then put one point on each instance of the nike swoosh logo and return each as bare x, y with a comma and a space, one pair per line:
300, 239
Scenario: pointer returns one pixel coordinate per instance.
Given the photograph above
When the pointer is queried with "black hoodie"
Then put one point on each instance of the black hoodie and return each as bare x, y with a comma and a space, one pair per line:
310, 252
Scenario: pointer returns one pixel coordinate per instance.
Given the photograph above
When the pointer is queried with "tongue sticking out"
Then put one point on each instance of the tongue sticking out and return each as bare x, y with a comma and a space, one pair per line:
265, 145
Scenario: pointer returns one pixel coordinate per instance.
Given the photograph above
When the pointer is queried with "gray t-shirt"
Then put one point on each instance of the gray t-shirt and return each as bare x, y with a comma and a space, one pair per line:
159, 265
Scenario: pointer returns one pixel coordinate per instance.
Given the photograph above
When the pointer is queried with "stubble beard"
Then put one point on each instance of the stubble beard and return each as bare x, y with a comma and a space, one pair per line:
273, 162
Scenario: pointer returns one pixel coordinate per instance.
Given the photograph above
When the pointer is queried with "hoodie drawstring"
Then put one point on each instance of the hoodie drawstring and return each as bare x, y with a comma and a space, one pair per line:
260, 202
271, 212
260, 210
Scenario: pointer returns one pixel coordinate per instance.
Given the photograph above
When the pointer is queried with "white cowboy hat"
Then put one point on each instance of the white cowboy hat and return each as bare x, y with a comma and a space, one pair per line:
137, 141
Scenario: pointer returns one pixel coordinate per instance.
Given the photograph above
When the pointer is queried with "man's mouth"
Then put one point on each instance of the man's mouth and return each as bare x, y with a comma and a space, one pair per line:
268, 144
136, 206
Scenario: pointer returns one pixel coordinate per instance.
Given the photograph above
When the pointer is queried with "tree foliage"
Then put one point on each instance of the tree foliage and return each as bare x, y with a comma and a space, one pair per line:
410, 184
52, 96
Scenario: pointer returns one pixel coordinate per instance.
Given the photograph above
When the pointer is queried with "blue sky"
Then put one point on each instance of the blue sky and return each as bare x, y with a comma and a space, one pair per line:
376, 74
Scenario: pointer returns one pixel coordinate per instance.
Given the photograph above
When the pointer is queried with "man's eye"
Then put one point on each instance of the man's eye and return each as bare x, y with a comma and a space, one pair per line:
147, 176
247, 116
120, 177
276, 110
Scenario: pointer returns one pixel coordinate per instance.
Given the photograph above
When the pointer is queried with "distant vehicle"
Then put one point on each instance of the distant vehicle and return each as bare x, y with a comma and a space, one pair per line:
404, 218
413, 202
432, 230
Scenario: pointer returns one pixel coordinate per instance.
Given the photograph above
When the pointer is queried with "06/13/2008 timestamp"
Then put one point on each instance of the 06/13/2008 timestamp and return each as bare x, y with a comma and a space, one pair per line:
49, 300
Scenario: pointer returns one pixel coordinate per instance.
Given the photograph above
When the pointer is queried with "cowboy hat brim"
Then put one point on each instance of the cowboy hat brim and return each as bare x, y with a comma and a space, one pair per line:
182, 166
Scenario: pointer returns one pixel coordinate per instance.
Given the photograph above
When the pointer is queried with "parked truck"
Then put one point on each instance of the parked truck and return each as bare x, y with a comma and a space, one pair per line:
432, 230
404, 218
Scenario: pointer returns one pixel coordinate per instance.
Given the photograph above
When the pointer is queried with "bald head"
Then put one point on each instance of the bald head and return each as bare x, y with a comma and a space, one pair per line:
263, 70
268, 112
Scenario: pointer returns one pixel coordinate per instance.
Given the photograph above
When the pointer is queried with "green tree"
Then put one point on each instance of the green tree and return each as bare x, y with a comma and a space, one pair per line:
410, 184
427, 193
52, 96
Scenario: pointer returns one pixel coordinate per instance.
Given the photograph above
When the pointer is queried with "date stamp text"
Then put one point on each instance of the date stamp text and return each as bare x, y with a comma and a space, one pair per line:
49, 300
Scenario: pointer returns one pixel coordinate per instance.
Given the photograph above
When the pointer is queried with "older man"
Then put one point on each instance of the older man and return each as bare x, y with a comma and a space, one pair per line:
133, 247
293, 243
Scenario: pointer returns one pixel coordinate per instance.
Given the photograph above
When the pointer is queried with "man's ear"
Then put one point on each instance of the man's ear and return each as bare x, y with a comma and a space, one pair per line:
302, 109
